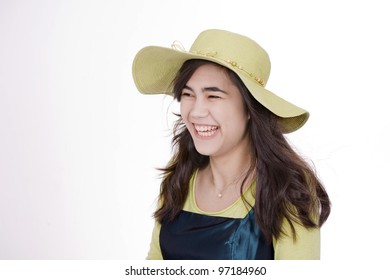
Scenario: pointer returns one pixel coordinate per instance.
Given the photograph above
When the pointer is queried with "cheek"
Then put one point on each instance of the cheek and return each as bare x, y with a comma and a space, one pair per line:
236, 115
238, 127
237, 123
184, 112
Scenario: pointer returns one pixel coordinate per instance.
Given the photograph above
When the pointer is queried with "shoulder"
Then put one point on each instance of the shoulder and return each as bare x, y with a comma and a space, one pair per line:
306, 245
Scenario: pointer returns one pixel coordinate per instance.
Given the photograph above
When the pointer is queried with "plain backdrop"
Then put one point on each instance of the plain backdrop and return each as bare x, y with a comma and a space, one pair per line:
79, 146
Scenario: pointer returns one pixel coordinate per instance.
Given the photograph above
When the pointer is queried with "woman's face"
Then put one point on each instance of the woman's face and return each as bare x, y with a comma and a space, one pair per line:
213, 111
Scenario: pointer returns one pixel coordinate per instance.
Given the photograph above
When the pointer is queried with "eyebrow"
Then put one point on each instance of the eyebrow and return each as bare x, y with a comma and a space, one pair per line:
212, 89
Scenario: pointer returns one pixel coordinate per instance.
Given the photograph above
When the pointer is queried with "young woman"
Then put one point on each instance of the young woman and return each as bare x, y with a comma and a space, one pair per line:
234, 188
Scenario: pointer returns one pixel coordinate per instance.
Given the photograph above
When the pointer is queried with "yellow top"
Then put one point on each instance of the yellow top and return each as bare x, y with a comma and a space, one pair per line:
305, 247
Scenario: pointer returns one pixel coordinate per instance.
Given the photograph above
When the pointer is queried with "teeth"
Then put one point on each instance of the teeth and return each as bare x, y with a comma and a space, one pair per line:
205, 128
206, 131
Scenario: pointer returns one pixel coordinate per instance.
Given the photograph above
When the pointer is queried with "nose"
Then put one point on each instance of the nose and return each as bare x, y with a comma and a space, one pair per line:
199, 108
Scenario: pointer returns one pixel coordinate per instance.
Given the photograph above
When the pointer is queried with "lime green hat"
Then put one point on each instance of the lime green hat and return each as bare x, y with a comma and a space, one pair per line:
154, 69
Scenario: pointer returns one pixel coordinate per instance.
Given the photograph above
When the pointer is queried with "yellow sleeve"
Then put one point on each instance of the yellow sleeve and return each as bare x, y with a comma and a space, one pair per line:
154, 250
305, 247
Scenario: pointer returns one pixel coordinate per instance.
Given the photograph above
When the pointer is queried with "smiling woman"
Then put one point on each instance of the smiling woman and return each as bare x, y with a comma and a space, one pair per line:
213, 111
234, 188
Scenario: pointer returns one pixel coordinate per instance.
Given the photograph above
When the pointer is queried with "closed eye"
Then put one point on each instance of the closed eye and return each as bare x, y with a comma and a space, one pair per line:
186, 94
214, 92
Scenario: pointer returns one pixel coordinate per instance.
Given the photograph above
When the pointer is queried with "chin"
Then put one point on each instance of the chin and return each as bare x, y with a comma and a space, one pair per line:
204, 151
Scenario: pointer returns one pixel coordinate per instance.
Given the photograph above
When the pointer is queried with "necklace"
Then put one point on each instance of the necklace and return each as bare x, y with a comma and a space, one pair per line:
220, 193
243, 176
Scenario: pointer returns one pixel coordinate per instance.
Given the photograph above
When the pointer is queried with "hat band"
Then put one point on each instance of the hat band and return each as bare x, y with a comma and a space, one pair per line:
176, 45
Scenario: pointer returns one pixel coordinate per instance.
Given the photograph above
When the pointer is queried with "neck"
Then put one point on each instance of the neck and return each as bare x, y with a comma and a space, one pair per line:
229, 169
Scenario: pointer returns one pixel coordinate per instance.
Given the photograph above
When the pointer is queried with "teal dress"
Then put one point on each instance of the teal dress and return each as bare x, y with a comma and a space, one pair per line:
193, 236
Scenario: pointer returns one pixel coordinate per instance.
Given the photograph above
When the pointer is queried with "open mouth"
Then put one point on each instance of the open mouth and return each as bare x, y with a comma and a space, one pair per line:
206, 130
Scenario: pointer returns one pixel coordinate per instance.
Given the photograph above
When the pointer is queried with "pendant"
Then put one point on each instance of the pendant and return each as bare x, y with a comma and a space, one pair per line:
219, 195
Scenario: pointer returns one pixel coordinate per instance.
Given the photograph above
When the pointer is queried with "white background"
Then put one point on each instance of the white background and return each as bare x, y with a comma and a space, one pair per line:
79, 145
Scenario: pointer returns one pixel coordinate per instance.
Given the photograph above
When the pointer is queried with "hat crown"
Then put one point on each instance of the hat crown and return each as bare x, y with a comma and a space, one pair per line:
237, 50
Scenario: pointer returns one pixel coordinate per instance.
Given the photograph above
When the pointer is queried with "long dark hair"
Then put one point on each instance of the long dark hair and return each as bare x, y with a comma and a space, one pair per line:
286, 186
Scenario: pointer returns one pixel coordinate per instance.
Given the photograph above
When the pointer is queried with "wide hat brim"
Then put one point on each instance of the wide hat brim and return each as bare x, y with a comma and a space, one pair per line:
154, 68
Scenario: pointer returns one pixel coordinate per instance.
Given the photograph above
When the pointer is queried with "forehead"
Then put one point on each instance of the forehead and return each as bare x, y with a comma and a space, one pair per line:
210, 73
